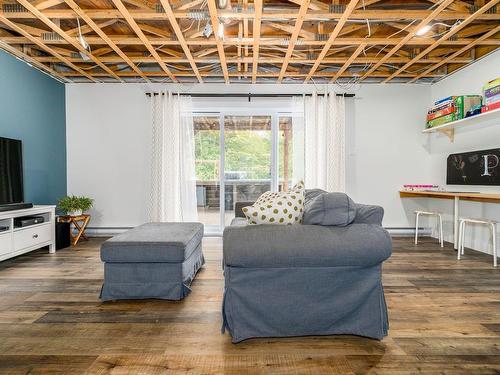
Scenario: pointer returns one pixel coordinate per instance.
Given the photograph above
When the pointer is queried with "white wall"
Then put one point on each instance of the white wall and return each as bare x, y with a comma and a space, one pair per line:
466, 81
108, 138
109, 153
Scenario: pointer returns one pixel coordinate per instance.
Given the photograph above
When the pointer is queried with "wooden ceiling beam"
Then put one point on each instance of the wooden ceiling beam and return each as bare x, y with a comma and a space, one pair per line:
188, 5
66, 37
313, 4
293, 39
446, 36
23, 56
45, 4
367, 3
119, 5
46, 48
349, 61
134, 40
139, 58
338, 27
180, 37
457, 5
260, 74
456, 54
152, 15
409, 36
103, 35
214, 19
85, 29
256, 38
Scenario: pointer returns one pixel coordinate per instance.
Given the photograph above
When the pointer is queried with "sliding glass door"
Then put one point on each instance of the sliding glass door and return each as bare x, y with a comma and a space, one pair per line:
247, 159
239, 156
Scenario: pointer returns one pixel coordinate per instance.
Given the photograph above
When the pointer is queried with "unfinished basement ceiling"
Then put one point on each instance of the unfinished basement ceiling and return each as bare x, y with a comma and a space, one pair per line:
250, 41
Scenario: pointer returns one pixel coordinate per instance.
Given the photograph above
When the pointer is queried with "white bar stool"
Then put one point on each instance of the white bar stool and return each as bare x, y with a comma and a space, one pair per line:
439, 221
461, 235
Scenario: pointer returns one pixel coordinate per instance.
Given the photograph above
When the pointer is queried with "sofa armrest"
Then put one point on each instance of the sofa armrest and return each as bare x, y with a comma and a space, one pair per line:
238, 208
368, 214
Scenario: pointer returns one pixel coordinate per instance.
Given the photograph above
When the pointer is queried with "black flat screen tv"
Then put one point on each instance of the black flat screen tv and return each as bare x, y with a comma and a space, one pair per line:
11, 172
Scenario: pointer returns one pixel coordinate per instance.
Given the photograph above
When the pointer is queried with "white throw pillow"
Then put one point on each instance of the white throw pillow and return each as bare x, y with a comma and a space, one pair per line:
283, 208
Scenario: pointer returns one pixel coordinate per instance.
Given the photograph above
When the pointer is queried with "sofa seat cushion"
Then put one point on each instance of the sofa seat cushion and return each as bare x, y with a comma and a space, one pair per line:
153, 243
267, 246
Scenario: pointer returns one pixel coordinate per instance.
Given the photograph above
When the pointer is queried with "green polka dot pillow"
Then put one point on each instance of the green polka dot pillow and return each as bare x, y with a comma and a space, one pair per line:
284, 208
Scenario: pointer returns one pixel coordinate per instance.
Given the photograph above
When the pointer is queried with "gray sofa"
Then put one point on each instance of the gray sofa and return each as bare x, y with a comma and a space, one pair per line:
305, 279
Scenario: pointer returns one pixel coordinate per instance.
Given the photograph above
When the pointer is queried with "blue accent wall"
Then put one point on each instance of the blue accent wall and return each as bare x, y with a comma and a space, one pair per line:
32, 109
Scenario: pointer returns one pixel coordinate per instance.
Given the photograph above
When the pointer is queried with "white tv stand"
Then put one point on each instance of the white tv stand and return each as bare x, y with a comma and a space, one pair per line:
16, 241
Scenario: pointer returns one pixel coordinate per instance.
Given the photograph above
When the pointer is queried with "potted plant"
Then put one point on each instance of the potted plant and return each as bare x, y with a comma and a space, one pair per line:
75, 206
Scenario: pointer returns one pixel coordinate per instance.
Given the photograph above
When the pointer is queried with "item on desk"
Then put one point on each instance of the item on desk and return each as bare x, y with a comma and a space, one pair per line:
421, 187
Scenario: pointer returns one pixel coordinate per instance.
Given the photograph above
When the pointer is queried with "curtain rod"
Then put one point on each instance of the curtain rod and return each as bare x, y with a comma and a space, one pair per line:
249, 96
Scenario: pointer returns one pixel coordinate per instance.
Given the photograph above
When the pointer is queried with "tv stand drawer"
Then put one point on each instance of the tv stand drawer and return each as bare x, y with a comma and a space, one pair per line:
29, 237
5, 243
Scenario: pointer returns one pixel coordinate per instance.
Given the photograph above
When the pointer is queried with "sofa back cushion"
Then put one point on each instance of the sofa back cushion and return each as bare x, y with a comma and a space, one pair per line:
329, 209
283, 208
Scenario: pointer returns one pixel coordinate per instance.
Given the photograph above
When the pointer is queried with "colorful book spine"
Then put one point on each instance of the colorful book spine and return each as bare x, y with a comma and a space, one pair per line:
490, 107
440, 113
488, 93
492, 100
441, 106
443, 120
449, 98
491, 84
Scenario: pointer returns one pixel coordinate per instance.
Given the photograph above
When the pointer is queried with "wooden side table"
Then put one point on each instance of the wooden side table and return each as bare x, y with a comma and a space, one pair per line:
80, 223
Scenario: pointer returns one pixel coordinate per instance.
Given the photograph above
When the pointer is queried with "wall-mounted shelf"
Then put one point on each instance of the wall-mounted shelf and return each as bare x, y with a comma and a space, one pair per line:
449, 128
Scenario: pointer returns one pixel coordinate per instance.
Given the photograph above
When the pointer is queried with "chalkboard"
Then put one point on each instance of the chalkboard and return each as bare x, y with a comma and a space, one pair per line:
474, 168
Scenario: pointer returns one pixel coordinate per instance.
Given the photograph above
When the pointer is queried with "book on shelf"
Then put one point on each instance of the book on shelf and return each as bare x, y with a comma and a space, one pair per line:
490, 107
440, 113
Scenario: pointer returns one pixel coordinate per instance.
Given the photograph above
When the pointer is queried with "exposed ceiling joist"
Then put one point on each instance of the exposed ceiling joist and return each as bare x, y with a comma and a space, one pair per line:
409, 36
295, 34
338, 27
256, 38
456, 54
212, 8
104, 37
66, 37
446, 36
180, 37
143, 38
46, 48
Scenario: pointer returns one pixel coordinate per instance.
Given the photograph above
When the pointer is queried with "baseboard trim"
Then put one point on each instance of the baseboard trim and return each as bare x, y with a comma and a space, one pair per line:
113, 231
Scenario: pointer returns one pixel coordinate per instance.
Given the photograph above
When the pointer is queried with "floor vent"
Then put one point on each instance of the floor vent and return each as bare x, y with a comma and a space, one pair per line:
13, 8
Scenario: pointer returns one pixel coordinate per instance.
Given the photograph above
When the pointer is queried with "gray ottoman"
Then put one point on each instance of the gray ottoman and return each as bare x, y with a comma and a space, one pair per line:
154, 260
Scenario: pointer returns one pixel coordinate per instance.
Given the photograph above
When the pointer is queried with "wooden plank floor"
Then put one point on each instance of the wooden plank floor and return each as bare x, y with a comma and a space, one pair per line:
444, 319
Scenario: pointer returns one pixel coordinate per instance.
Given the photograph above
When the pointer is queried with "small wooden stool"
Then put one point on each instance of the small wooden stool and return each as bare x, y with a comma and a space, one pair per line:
440, 224
80, 222
461, 235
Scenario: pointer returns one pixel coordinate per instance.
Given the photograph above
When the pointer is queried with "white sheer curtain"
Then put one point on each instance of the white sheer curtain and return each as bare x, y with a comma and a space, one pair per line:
324, 118
173, 185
